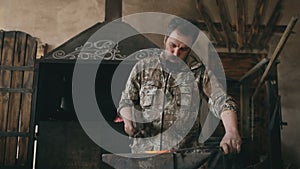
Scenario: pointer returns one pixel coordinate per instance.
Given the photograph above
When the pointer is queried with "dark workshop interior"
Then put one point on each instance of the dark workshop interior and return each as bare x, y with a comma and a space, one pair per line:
40, 42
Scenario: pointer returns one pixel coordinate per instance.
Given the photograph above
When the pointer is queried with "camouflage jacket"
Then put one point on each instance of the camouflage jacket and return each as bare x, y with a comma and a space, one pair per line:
152, 86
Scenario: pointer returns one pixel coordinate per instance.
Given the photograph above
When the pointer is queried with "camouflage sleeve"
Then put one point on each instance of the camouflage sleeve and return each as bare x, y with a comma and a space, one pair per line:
221, 104
218, 100
130, 95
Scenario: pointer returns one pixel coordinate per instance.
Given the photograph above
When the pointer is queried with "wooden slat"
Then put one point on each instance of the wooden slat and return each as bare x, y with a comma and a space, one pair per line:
202, 26
27, 99
268, 31
208, 21
241, 23
258, 13
14, 100
5, 81
225, 20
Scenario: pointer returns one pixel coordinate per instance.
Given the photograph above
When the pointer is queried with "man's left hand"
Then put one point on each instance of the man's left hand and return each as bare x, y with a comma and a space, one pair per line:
231, 143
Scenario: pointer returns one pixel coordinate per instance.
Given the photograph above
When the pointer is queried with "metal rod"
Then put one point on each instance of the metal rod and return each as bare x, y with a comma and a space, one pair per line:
19, 68
14, 134
16, 90
163, 111
273, 59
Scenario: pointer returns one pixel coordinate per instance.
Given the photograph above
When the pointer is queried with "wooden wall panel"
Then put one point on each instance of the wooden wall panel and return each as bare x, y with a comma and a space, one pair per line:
17, 58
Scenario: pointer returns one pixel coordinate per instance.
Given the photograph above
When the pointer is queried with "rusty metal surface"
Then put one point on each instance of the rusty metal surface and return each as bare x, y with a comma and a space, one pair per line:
159, 161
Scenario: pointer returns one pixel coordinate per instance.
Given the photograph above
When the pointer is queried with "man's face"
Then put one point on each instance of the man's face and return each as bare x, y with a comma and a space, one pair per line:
176, 45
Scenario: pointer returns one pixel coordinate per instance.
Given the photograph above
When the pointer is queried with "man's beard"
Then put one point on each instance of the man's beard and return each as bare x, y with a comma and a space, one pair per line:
172, 58
172, 62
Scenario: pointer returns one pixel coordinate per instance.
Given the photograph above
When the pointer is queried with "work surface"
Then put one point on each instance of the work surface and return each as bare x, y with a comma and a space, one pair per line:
157, 161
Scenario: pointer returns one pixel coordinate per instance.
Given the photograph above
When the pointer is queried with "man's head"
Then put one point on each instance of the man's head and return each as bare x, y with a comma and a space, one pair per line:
180, 37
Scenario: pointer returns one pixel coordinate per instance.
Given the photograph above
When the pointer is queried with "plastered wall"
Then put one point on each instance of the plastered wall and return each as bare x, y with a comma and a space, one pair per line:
53, 21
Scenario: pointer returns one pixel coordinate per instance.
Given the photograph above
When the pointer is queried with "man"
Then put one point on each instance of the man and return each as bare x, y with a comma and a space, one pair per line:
161, 91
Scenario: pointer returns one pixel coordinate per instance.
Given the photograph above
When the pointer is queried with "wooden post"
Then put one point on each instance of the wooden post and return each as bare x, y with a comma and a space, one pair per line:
274, 57
113, 10
274, 126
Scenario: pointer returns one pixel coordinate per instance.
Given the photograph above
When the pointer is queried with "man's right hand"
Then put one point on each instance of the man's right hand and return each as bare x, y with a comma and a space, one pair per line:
128, 127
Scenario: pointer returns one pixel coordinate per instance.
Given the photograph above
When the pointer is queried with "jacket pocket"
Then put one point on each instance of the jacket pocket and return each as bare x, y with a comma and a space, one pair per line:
147, 95
184, 96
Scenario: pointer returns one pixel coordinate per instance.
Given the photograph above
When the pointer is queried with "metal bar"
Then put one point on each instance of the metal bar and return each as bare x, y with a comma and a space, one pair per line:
274, 57
214, 161
20, 90
258, 66
14, 134
1, 43
113, 10
174, 161
274, 115
19, 68
163, 112
13, 167
274, 141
